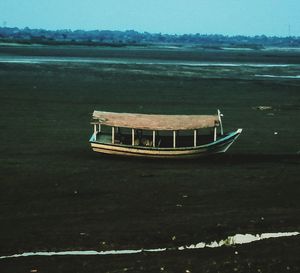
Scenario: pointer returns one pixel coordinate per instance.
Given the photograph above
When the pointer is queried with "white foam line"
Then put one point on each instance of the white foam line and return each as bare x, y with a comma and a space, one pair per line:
236, 64
20, 61
137, 62
53, 60
237, 239
278, 76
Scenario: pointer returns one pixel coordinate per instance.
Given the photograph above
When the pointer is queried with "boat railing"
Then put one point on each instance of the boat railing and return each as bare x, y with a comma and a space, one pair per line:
154, 139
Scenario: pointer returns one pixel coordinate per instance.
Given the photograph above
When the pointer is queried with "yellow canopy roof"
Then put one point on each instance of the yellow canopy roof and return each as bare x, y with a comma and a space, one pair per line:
156, 122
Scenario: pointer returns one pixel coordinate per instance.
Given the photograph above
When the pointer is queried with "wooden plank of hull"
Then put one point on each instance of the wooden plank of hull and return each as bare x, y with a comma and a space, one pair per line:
112, 152
216, 147
186, 154
142, 152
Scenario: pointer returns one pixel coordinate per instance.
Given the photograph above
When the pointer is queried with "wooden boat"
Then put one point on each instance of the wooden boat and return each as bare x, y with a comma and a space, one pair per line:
159, 136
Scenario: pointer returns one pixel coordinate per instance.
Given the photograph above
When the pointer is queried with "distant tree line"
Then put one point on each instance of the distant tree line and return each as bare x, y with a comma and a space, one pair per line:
131, 37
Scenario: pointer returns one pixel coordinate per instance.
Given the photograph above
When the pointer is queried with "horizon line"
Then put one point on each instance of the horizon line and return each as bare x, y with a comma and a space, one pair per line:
152, 33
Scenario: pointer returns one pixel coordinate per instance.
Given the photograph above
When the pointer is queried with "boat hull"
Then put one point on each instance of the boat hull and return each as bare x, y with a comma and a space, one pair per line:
219, 146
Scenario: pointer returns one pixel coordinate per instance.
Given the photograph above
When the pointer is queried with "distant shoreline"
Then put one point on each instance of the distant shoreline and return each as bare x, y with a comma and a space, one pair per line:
141, 39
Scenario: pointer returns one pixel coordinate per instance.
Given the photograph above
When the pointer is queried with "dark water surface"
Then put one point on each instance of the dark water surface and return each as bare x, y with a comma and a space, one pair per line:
56, 195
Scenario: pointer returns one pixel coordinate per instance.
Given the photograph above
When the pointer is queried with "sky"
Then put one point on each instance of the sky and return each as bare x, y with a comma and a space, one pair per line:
227, 17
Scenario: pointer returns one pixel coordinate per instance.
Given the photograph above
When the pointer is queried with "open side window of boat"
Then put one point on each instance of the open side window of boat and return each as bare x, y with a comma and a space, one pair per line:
104, 134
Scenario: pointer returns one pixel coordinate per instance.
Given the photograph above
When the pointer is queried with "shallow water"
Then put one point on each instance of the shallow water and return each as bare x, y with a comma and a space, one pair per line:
279, 76
38, 60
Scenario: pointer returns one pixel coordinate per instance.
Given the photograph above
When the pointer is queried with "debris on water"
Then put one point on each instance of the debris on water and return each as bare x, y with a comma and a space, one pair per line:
162, 268
178, 205
275, 133
173, 238
270, 114
33, 270
76, 191
103, 243
236, 253
262, 218
185, 196
147, 175
263, 107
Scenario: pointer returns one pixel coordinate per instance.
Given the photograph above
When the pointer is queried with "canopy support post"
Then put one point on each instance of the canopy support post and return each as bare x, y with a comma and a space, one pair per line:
195, 138
153, 138
113, 135
99, 127
221, 125
174, 139
215, 133
95, 129
132, 137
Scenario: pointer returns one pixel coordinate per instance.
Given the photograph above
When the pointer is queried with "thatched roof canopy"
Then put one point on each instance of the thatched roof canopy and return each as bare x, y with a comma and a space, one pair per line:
155, 122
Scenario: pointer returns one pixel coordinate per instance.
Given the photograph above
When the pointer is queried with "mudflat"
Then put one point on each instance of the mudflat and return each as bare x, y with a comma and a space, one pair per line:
57, 195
